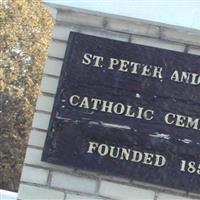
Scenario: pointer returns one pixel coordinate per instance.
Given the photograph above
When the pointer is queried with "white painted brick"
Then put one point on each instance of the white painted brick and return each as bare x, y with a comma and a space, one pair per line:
34, 175
106, 34
53, 66
74, 183
195, 51
157, 43
81, 197
57, 49
33, 157
49, 84
181, 35
52, 11
124, 192
44, 103
41, 120
162, 196
29, 192
62, 32
80, 18
37, 138
133, 27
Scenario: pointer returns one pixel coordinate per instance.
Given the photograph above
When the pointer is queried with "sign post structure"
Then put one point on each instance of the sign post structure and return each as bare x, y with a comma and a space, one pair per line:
127, 110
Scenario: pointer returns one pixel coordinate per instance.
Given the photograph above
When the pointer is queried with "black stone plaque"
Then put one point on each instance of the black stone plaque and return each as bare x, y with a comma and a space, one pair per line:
129, 111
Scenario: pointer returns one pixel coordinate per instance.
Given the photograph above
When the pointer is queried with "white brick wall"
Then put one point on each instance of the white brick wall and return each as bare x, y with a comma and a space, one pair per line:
34, 175
80, 18
45, 103
49, 84
180, 35
37, 138
107, 34
136, 27
32, 192
62, 32
153, 42
53, 66
124, 192
52, 11
41, 180
82, 197
74, 183
195, 51
163, 196
33, 158
57, 49
41, 121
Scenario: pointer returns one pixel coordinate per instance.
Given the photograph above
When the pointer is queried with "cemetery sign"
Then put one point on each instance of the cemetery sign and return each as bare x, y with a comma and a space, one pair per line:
127, 110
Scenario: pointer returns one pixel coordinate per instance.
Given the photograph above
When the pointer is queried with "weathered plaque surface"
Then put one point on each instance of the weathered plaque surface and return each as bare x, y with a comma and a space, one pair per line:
127, 110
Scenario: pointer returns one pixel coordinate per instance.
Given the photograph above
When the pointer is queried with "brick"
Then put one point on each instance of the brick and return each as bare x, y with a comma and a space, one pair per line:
124, 192
53, 66
195, 51
133, 27
33, 157
62, 32
181, 35
41, 121
163, 196
70, 16
37, 138
57, 49
194, 195
29, 192
81, 197
49, 84
106, 34
52, 11
74, 183
157, 43
34, 175
44, 103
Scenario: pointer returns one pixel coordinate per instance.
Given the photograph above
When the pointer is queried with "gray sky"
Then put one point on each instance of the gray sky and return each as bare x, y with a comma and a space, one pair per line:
176, 12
